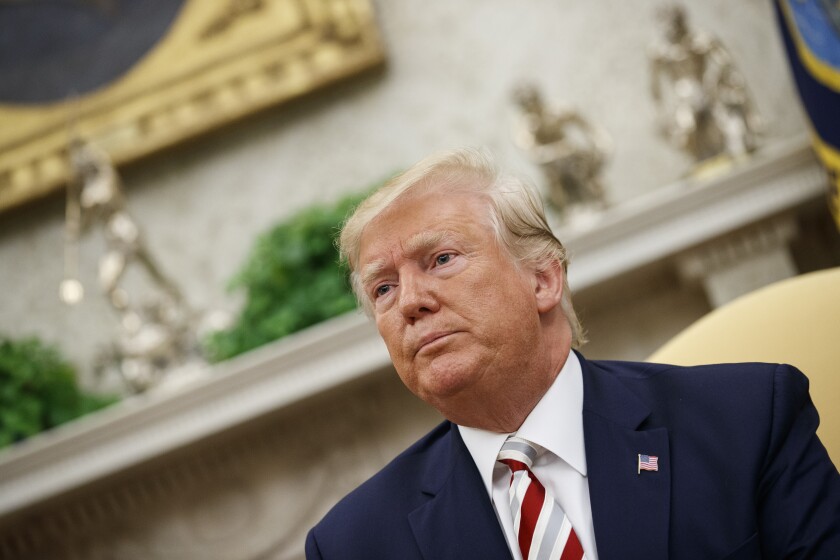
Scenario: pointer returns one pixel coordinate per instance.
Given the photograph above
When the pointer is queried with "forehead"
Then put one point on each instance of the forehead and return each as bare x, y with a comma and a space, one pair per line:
417, 220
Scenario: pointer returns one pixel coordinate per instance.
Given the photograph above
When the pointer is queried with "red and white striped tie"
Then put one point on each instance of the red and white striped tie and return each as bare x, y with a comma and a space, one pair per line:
542, 528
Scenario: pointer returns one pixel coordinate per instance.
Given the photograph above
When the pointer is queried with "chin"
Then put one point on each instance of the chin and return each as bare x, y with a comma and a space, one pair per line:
444, 379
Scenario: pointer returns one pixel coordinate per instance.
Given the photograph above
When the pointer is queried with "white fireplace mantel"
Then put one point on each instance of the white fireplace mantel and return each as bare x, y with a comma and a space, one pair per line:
691, 212
675, 218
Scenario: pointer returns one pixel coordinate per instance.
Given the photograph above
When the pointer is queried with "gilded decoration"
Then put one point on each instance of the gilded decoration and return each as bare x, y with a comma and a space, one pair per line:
215, 63
705, 107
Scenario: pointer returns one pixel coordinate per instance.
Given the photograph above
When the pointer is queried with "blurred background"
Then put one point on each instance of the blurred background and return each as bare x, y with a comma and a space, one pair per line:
211, 148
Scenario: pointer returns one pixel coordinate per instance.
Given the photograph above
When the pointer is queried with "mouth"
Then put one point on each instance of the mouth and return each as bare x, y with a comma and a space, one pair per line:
433, 340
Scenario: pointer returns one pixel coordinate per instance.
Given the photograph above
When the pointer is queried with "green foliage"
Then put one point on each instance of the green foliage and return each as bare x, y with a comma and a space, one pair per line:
38, 390
292, 279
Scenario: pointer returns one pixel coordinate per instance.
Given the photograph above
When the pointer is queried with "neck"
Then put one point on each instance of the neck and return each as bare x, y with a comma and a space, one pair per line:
507, 408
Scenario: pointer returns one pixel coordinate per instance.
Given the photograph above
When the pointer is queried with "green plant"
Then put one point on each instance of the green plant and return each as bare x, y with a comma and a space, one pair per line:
292, 279
38, 390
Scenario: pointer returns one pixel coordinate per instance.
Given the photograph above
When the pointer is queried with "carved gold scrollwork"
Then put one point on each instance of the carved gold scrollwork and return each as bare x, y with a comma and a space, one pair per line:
217, 63
232, 11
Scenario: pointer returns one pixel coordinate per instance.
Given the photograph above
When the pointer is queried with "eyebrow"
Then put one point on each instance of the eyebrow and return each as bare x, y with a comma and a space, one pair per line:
371, 271
425, 241
417, 244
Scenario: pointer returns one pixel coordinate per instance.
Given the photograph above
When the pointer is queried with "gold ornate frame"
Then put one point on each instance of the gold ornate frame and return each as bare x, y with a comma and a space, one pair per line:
219, 61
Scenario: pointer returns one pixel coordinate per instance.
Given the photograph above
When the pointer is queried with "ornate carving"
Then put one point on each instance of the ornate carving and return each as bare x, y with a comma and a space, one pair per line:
232, 11
154, 338
571, 151
704, 104
743, 261
188, 85
251, 496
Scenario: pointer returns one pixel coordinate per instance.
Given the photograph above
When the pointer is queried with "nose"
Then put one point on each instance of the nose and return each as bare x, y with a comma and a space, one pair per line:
417, 295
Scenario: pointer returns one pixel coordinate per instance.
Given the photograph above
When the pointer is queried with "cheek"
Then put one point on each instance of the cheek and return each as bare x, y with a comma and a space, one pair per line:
392, 335
503, 292
513, 309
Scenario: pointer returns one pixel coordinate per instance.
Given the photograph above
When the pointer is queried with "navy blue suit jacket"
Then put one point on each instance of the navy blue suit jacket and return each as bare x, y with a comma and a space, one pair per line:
741, 474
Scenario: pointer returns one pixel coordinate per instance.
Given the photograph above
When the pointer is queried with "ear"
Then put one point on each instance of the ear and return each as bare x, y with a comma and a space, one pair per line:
548, 287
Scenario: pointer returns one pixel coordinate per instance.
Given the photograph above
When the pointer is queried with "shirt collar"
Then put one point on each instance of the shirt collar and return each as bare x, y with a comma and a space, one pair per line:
555, 423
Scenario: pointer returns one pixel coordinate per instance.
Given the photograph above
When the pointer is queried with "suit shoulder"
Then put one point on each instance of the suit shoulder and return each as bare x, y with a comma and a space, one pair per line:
749, 372
382, 502
403, 473
737, 387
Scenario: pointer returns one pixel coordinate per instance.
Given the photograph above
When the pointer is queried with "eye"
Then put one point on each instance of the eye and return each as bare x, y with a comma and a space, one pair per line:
443, 258
381, 290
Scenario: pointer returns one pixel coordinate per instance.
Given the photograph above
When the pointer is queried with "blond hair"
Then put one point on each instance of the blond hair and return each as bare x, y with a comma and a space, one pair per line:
516, 215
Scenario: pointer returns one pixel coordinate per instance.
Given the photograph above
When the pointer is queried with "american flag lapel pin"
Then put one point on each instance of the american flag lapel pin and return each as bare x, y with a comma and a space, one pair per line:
647, 463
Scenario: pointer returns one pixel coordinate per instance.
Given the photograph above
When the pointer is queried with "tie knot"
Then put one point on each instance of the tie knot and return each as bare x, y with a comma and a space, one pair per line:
518, 449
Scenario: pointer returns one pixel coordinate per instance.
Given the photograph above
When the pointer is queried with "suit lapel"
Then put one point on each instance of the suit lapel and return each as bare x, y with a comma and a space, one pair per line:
458, 521
630, 510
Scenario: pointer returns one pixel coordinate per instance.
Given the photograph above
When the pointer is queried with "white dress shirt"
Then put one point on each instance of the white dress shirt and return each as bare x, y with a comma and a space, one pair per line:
556, 424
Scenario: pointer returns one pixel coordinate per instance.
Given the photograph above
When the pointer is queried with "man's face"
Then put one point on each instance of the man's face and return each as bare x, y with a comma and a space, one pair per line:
454, 310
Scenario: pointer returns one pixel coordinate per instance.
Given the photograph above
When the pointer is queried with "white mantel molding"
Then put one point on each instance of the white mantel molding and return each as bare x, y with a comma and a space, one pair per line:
689, 212
147, 426
649, 229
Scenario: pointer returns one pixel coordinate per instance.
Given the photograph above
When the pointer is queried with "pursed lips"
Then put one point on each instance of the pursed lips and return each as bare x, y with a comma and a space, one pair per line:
431, 338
